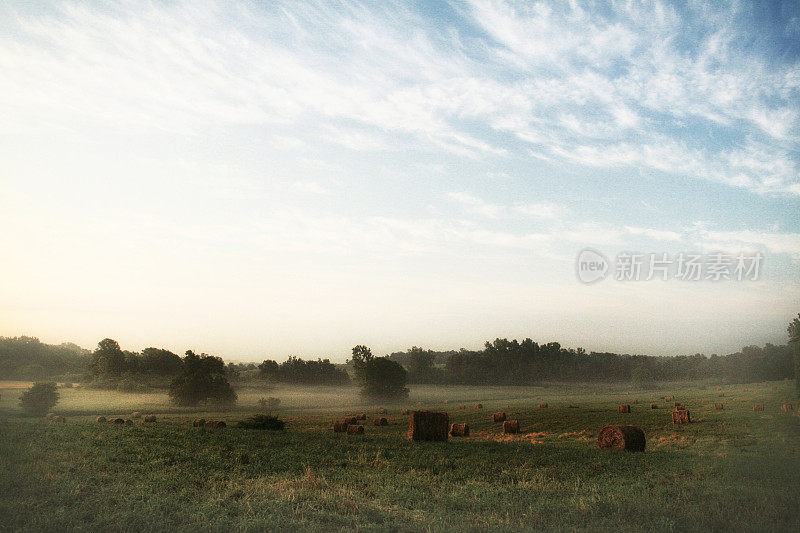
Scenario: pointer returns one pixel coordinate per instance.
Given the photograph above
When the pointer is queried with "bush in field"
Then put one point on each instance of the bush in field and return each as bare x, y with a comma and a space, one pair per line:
202, 380
262, 422
270, 404
39, 399
379, 377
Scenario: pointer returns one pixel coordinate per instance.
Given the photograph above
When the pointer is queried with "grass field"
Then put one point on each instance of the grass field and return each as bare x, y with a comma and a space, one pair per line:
734, 469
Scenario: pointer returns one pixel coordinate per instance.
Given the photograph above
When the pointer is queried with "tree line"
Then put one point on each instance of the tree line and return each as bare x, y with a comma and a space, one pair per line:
501, 362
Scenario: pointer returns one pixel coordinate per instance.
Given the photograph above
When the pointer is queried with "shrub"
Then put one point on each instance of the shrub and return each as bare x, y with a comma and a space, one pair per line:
39, 399
262, 422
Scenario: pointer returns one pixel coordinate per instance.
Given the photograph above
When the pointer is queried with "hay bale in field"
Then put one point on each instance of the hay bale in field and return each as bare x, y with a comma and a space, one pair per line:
681, 416
340, 426
653, 406
543, 405
628, 438
478, 406
149, 419
511, 427
128, 422
498, 417
758, 407
352, 420
361, 416
199, 422
459, 430
382, 421
719, 406
428, 426
100, 420
355, 430
136, 414
116, 421
625, 408
786, 407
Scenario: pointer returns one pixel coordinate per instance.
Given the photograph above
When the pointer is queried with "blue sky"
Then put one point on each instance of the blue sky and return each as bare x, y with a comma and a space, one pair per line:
273, 178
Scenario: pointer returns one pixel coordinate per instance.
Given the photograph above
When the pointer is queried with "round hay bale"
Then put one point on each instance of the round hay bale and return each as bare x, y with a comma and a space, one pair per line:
149, 419
628, 438
340, 426
428, 426
199, 422
653, 406
136, 414
625, 408
459, 430
498, 417
511, 427
355, 430
100, 420
681, 416
382, 421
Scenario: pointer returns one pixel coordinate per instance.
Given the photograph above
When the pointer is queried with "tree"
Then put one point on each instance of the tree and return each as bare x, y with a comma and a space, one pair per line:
379, 377
108, 358
39, 399
420, 366
794, 342
160, 362
202, 380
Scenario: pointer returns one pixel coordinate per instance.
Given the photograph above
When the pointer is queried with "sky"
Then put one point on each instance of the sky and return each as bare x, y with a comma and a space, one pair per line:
260, 179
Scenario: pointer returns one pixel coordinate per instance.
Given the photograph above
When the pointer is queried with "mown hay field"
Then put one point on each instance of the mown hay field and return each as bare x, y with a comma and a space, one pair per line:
731, 469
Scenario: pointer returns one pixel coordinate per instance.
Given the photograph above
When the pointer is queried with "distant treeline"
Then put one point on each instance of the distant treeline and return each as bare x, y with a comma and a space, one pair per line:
296, 370
26, 358
501, 362
505, 362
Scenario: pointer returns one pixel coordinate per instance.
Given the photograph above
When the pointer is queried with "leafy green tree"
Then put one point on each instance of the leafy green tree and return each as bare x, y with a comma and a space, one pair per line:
379, 377
202, 381
39, 399
794, 342
420, 366
108, 359
160, 362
